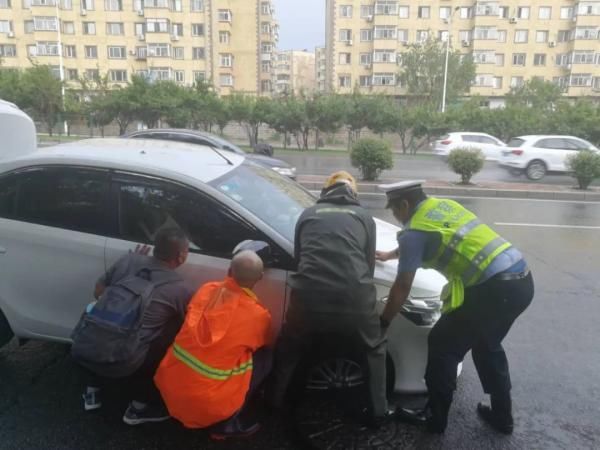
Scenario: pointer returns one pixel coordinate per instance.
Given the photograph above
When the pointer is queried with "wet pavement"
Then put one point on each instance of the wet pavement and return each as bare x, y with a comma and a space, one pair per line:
552, 349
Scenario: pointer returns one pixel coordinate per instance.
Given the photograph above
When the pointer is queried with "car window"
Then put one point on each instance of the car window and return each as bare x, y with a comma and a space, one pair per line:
487, 140
145, 208
552, 144
8, 196
515, 142
576, 144
68, 198
470, 138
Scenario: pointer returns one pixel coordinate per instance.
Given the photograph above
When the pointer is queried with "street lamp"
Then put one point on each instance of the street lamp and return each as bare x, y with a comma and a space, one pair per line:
449, 22
61, 67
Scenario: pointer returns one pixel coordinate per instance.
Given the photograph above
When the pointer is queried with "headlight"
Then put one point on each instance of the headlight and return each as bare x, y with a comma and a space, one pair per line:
420, 311
285, 171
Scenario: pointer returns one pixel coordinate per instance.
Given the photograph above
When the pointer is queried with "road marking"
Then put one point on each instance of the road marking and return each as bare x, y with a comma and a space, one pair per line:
546, 225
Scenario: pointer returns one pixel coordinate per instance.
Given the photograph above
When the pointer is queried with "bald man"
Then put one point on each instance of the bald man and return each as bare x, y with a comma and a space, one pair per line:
220, 357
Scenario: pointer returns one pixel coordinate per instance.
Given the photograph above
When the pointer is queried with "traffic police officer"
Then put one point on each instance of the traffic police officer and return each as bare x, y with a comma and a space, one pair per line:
489, 286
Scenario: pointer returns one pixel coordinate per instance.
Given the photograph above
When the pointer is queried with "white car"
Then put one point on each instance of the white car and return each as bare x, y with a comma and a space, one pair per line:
490, 146
537, 155
70, 211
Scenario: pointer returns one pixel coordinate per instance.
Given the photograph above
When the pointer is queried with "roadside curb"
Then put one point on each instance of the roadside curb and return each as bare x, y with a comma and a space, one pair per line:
462, 191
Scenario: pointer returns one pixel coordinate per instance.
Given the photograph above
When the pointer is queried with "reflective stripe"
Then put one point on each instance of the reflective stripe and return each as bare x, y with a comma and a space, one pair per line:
457, 238
335, 210
210, 372
480, 257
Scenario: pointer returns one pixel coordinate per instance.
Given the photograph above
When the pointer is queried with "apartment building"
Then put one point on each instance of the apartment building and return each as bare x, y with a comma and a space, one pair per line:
227, 42
511, 42
294, 72
321, 68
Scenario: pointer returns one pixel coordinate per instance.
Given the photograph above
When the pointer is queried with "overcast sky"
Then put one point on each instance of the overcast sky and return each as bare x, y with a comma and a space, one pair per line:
302, 24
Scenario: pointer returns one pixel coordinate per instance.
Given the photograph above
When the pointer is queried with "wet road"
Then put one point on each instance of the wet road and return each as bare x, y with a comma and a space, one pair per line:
417, 167
552, 349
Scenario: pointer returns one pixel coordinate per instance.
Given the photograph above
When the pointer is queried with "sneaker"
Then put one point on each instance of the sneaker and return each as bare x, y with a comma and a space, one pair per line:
91, 399
149, 413
502, 425
241, 434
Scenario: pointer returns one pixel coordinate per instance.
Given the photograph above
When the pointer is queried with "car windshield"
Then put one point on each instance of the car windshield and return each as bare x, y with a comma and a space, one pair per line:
589, 145
515, 142
226, 145
271, 197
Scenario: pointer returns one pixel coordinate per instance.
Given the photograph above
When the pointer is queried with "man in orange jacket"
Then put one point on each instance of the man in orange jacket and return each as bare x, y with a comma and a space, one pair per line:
220, 356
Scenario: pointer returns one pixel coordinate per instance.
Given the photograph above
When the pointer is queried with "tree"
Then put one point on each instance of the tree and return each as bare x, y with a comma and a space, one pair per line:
382, 114
356, 113
286, 117
371, 157
585, 167
466, 162
95, 94
250, 113
535, 93
329, 115
10, 86
42, 95
423, 72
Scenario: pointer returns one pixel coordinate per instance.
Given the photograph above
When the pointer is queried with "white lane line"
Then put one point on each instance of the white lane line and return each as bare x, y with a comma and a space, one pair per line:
545, 225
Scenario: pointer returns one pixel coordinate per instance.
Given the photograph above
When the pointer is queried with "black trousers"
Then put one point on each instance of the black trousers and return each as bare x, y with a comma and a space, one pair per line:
479, 325
300, 336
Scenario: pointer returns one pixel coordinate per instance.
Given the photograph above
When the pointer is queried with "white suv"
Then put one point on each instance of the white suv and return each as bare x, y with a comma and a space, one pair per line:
68, 212
537, 155
490, 146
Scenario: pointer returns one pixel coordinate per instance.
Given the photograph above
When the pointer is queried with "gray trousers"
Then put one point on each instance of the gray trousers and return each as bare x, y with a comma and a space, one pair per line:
296, 342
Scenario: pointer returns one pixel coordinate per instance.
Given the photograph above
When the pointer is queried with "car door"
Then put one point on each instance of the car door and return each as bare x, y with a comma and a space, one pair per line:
145, 205
52, 248
549, 150
491, 148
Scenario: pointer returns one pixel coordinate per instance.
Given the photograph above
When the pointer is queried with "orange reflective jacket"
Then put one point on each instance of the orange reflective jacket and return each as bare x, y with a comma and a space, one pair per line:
205, 375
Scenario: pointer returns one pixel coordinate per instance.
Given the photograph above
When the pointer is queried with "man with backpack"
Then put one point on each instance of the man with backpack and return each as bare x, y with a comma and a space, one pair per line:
141, 305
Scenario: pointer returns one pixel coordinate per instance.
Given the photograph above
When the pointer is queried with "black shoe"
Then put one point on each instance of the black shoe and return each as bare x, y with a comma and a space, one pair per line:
242, 433
503, 425
376, 422
149, 413
413, 416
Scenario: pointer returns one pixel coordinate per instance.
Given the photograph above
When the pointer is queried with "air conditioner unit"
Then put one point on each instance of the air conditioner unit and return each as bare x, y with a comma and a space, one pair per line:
349, 43
513, 20
140, 12
141, 37
551, 44
174, 37
84, 12
466, 43
11, 34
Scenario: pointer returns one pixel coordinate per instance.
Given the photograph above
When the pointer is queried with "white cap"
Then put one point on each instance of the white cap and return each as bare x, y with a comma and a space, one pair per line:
396, 190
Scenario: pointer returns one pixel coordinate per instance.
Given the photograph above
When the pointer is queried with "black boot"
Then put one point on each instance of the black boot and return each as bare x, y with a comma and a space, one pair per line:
499, 415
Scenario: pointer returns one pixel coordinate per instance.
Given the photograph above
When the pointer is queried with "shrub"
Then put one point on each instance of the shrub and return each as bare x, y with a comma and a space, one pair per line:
466, 162
585, 167
371, 157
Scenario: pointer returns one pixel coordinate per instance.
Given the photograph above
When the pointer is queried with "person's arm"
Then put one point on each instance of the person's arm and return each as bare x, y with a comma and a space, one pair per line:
371, 244
398, 295
99, 289
387, 256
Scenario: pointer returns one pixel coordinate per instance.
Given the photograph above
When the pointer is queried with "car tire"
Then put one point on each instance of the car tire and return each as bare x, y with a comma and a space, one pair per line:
6, 333
536, 170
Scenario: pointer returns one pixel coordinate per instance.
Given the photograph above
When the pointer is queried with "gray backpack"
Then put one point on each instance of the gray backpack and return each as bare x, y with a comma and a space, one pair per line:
107, 338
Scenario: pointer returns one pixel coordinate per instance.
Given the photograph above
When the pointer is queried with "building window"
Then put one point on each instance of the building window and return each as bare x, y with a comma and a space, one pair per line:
596, 85
265, 8
564, 35
499, 59
266, 86
176, 5
345, 35
265, 67
115, 28
224, 16
28, 26
581, 80
366, 35
545, 13
266, 48
265, 28
226, 59
518, 59
224, 37
523, 12
39, 24
424, 12
87, 5
367, 11
484, 80
117, 52
384, 79
585, 57
8, 50
178, 52
386, 8
563, 59
113, 5
71, 74
226, 79
365, 81
179, 76
40, 3
385, 32
486, 9
157, 26
503, 12
541, 36
197, 5
486, 33
497, 82
199, 75
89, 27
588, 9
516, 82
176, 29
91, 51
159, 50
384, 56
198, 29
70, 51
346, 11
566, 12
502, 35
466, 12
345, 81
403, 35
5, 26
92, 74
445, 12
345, 58
539, 59
4, 4
521, 36
404, 12
198, 53
118, 76
366, 59
586, 33
68, 27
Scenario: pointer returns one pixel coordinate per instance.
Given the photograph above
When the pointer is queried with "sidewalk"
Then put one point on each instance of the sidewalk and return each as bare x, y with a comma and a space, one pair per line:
480, 189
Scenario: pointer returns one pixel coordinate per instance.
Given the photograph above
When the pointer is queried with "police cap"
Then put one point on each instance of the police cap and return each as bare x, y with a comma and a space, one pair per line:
399, 190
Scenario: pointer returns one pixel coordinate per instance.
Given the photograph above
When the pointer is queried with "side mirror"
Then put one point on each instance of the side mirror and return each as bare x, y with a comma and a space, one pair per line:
261, 248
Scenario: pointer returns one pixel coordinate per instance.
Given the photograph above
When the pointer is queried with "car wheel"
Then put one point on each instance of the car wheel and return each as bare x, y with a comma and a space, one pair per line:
6, 332
515, 172
335, 373
536, 170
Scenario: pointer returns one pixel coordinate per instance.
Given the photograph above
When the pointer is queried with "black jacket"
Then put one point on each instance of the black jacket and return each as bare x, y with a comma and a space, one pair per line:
335, 253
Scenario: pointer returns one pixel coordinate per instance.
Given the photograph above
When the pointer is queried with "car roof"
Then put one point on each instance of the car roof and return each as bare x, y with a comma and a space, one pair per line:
471, 132
545, 136
17, 131
154, 157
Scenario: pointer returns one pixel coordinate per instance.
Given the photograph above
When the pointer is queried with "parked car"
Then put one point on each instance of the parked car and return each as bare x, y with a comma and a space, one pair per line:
490, 146
70, 211
211, 140
537, 155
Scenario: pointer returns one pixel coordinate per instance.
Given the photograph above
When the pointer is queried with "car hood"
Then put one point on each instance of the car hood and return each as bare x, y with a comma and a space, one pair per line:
428, 283
267, 160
